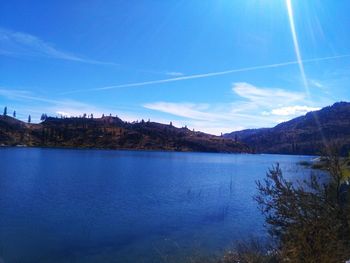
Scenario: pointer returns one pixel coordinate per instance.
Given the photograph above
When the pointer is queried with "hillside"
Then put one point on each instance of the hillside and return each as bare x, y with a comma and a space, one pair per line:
111, 133
307, 134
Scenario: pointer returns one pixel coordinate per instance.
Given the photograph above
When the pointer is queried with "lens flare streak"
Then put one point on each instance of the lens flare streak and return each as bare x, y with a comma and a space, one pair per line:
300, 63
296, 45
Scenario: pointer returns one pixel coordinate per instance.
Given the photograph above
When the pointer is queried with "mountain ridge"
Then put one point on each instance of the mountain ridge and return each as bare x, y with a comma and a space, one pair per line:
307, 134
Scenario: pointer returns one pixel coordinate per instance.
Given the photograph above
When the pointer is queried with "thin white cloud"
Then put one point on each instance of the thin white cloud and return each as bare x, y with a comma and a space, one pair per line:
207, 75
162, 72
175, 74
256, 107
265, 96
200, 111
186, 110
10, 93
24, 102
316, 83
23, 44
293, 110
213, 119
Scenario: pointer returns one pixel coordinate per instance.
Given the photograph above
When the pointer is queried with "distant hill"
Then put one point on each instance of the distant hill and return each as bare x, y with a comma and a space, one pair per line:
303, 135
307, 134
111, 133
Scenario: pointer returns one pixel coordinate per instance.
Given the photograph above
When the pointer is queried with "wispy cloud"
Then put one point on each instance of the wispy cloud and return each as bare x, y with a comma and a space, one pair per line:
25, 102
256, 107
22, 95
201, 111
293, 110
203, 117
186, 110
207, 75
22, 44
11, 93
316, 83
175, 74
265, 96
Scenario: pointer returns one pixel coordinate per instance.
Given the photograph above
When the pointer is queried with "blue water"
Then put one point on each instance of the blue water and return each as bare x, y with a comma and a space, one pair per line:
128, 206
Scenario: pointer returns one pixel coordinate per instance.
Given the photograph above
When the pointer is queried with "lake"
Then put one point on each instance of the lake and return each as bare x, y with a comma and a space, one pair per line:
59, 205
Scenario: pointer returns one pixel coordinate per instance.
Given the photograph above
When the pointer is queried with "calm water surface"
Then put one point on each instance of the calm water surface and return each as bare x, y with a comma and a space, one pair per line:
128, 206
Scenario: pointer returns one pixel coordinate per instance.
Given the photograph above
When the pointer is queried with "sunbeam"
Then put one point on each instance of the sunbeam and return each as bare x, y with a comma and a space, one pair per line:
300, 63
296, 45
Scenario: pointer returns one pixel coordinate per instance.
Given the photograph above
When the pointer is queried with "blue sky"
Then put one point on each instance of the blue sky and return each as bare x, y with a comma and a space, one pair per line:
215, 66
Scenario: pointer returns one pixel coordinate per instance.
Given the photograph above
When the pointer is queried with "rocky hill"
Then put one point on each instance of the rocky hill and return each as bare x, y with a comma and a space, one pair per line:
111, 133
303, 135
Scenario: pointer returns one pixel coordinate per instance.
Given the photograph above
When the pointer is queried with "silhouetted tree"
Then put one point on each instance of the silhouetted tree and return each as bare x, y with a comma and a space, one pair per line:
5, 111
92, 116
43, 117
171, 123
14, 114
29, 119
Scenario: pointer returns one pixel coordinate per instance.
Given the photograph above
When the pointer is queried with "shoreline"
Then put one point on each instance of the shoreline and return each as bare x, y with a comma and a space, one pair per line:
148, 150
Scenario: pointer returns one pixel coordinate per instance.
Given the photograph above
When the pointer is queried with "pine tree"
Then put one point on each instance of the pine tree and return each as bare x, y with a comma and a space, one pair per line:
14, 114
43, 117
5, 111
29, 119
